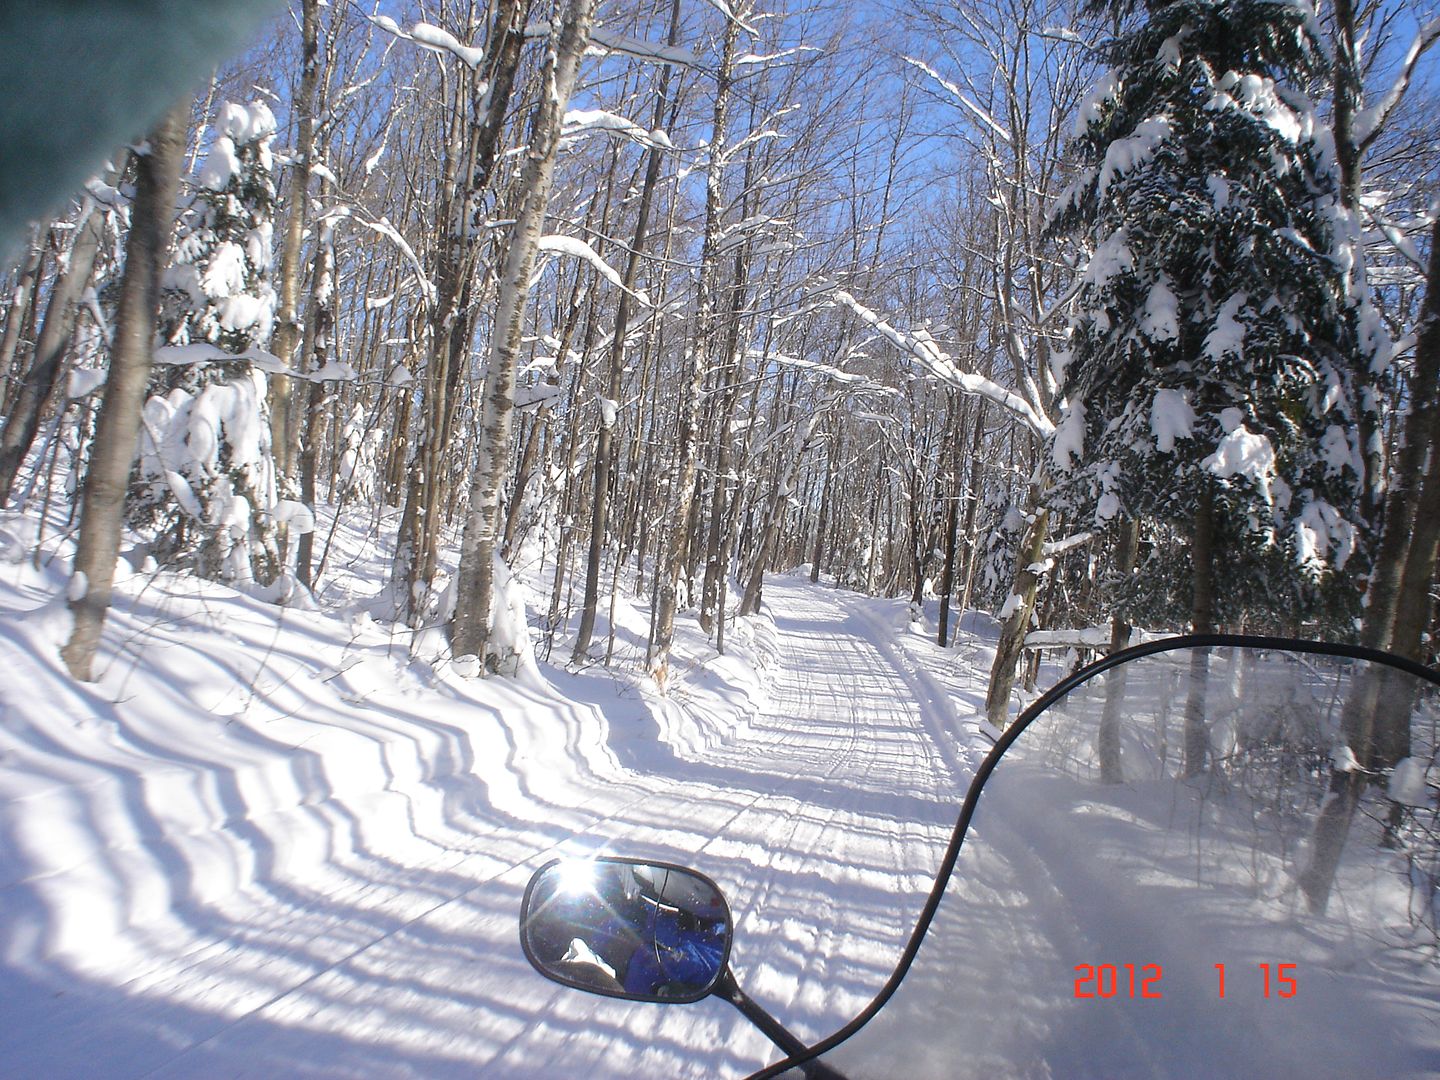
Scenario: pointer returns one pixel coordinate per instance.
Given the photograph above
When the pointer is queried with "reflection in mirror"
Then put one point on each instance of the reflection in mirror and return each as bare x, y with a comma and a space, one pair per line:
646, 931
1205, 862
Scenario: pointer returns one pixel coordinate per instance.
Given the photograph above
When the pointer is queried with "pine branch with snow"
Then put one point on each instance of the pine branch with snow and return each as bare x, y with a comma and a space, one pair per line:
1222, 348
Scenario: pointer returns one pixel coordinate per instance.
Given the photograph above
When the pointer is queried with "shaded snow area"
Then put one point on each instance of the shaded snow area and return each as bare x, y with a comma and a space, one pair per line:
280, 842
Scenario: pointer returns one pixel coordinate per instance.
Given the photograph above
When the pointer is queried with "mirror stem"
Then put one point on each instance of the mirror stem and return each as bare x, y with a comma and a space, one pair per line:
726, 987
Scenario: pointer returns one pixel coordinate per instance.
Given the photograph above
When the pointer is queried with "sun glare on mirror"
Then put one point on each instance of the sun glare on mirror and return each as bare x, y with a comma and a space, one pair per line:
576, 877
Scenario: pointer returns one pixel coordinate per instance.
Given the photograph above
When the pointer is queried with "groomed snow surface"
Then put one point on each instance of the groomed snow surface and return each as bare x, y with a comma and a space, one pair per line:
286, 842
277, 842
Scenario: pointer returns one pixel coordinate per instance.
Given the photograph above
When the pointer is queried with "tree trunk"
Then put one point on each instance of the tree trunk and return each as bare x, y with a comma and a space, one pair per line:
919, 537
470, 629
317, 342
1331, 829
720, 539
947, 573
605, 440
718, 535
117, 430
1413, 613
471, 154
826, 494
287, 285
1397, 599
972, 506
17, 315
42, 381
1402, 504
1202, 621
526, 468
1016, 623
696, 353
952, 529
554, 619
1111, 772
775, 515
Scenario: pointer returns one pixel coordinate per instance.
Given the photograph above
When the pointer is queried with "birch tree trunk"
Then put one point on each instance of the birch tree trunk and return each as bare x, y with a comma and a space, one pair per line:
42, 380
470, 628
1397, 599
972, 508
287, 286
1397, 596
720, 538
471, 151
1391, 579
16, 317
827, 495
117, 430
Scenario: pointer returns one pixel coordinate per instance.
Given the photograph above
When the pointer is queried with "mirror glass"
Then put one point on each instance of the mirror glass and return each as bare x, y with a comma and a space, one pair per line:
1181, 868
645, 931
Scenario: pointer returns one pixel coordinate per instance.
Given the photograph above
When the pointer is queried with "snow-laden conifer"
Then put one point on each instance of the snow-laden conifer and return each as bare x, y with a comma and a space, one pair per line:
1223, 346
206, 484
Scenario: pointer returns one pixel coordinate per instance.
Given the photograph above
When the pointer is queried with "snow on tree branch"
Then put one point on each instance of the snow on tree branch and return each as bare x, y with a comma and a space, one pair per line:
202, 354
438, 40
1370, 122
731, 152
384, 228
1396, 234
943, 368
799, 431
433, 38
858, 382
731, 14
579, 249
1089, 637
582, 121
734, 235
1057, 547
963, 98
752, 58
644, 50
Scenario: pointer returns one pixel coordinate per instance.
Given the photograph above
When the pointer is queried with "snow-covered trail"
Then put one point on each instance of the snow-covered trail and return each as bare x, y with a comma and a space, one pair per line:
829, 870
348, 947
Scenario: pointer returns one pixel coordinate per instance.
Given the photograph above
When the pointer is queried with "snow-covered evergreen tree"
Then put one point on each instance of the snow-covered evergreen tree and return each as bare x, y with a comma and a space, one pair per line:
1002, 546
206, 486
1223, 348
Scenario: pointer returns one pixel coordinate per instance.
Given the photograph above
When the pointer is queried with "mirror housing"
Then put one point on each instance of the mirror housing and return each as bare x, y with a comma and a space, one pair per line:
627, 928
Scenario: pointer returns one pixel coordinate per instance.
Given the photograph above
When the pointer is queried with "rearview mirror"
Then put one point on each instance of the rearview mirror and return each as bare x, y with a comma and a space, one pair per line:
625, 928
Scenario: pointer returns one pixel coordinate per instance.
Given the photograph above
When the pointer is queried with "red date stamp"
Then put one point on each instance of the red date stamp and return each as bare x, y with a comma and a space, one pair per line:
1142, 981
1118, 980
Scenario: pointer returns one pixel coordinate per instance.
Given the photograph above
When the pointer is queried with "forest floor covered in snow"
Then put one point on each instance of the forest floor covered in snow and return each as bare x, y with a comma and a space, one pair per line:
272, 841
